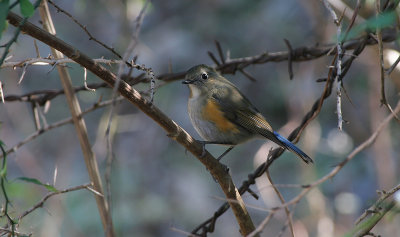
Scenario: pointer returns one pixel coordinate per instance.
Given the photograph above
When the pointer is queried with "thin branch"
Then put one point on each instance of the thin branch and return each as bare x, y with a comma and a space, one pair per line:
385, 195
339, 50
80, 126
299, 54
85, 81
208, 225
262, 225
380, 52
16, 34
217, 170
3, 177
367, 143
49, 195
3, 232
290, 53
1, 93
381, 62
56, 125
179, 231
365, 227
53, 61
282, 199
114, 95
91, 37
42, 96
394, 65
220, 52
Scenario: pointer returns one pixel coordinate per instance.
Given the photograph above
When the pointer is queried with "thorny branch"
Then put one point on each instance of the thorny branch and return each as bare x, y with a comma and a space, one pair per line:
57, 124
91, 37
51, 194
128, 53
16, 34
300, 54
175, 131
209, 224
340, 53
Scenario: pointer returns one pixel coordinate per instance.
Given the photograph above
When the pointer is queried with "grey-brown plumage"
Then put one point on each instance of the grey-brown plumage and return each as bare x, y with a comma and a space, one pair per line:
221, 114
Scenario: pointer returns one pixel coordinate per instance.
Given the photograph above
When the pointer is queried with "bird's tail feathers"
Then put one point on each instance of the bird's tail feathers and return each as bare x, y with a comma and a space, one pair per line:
291, 147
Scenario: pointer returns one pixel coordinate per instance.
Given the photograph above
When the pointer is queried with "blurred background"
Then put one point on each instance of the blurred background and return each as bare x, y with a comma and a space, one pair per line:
156, 184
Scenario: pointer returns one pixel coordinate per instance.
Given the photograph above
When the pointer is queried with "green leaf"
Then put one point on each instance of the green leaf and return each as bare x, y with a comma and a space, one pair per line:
49, 187
3, 171
384, 20
27, 8
3, 15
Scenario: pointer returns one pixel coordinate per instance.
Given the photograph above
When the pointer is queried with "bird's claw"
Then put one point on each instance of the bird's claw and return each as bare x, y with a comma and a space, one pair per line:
203, 144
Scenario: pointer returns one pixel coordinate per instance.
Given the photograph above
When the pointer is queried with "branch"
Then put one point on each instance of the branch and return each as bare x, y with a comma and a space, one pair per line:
91, 37
340, 52
53, 61
217, 170
231, 66
385, 195
208, 225
80, 126
352, 154
56, 125
49, 195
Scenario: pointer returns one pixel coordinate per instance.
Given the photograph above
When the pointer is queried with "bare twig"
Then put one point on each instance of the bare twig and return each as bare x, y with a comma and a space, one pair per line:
80, 127
290, 53
208, 225
385, 195
85, 81
16, 34
175, 132
220, 52
365, 227
262, 225
352, 154
248, 75
381, 62
334, 171
53, 61
1, 92
338, 64
380, 52
394, 65
56, 125
49, 195
213, 58
42, 96
179, 231
282, 199
3, 177
36, 49
23, 73
5, 231
127, 55
91, 37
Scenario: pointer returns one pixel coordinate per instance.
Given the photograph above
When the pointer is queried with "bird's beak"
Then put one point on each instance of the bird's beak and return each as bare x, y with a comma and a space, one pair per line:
188, 81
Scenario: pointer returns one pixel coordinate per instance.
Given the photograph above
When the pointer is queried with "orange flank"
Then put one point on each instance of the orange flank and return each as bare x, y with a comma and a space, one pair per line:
212, 113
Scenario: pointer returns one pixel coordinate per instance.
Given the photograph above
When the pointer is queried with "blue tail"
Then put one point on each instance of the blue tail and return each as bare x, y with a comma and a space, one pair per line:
291, 147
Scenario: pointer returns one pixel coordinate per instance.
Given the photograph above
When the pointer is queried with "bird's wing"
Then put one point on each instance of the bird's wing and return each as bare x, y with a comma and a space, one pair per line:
239, 110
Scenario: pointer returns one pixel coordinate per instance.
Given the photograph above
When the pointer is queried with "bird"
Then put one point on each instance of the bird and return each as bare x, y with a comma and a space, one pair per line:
222, 115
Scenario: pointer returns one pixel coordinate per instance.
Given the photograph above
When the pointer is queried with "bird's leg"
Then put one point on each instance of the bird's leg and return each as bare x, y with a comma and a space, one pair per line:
204, 143
226, 152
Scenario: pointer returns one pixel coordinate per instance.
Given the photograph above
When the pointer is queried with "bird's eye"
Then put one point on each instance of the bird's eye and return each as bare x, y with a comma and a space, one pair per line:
204, 76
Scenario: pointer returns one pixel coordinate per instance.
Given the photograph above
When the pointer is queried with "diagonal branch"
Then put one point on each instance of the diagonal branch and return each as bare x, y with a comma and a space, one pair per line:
80, 127
217, 170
